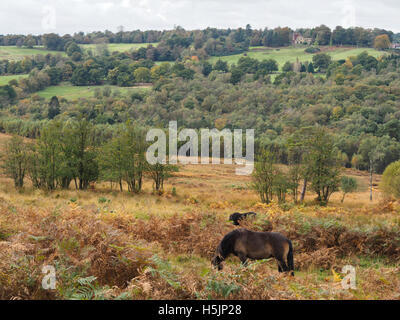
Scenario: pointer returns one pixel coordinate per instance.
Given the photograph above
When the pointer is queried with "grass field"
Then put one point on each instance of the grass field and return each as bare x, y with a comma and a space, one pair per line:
281, 55
120, 47
15, 53
70, 92
6, 79
145, 246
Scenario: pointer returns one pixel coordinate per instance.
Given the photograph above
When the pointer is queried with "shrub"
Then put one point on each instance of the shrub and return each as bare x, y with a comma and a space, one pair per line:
312, 50
391, 180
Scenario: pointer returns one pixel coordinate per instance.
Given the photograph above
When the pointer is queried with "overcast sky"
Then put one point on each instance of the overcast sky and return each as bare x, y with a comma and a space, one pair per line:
43, 16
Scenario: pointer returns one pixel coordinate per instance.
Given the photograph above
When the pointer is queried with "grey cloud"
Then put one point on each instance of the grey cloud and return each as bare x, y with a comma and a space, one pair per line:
26, 16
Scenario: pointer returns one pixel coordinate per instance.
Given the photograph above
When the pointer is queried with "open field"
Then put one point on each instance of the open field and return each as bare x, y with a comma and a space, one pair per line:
120, 47
70, 92
147, 246
282, 55
6, 79
16, 53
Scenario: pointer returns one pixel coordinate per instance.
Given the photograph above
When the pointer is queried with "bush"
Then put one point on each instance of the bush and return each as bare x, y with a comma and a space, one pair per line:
312, 50
391, 180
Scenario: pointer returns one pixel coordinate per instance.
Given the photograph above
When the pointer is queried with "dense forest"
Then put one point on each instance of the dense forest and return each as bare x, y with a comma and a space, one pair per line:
358, 102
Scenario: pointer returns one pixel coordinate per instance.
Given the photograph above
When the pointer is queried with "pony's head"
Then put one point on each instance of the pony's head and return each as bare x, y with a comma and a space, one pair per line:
235, 217
216, 262
217, 259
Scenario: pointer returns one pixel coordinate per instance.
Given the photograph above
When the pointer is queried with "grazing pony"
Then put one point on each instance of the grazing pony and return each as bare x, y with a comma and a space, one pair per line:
246, 244
236, 217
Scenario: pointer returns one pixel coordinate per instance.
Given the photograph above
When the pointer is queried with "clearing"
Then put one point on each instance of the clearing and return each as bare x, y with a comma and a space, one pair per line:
120, 47
68, 91
4, 80
16, 53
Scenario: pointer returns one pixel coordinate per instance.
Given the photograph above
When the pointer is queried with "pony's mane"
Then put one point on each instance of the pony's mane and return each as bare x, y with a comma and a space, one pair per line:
227, 244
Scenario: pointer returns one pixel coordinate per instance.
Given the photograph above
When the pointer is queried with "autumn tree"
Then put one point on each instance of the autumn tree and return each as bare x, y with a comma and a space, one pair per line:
382, 42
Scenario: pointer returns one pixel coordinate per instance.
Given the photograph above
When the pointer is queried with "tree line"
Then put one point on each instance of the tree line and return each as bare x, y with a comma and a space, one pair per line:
313, 162
67, 153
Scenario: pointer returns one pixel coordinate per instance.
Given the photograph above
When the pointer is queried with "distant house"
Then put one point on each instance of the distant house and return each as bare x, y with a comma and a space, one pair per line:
299, 39
395, 45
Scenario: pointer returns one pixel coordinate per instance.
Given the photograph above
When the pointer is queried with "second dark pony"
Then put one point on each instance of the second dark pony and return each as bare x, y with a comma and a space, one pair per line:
236, 217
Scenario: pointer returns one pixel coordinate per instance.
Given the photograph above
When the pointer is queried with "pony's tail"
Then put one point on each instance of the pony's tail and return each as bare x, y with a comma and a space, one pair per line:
290, 259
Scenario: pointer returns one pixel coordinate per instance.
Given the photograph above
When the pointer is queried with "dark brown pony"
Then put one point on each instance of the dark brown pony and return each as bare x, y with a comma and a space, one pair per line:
246, 244
236, 217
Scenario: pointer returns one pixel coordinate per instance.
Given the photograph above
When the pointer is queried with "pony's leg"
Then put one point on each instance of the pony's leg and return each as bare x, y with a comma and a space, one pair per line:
243, 259
282, 266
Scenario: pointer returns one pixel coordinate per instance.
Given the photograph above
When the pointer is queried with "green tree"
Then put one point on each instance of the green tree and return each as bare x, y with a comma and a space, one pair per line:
236, 75
71, 48
142, 74
206, 68
280, 185
134, 166
122, 159
46, 162
16, 160
159, 173
310, 68
54, 108
79, 147
323, 165
287, 67
29, 42
112, 159
221, 66
298, 146
53, 41
348, 185
321, 61
263, 176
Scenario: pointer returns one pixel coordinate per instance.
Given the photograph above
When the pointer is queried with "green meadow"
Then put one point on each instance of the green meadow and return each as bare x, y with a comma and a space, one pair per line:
282, 55
6, 79
70, 92
16, 53
119, 47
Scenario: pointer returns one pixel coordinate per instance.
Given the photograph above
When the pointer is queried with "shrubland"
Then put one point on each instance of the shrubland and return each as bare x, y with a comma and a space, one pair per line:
117, 245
